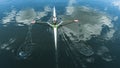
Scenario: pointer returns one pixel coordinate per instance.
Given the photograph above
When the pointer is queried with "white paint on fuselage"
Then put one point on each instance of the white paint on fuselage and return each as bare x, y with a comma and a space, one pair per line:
56, 48
55, 37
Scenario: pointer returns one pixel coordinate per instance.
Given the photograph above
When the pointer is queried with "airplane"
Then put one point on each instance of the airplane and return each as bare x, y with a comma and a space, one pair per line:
55, 24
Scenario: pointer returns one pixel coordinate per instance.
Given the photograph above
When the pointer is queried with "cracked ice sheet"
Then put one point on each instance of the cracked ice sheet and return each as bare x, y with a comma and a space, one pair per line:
116, 4
90, 22
70, 9
10, 16
24, 16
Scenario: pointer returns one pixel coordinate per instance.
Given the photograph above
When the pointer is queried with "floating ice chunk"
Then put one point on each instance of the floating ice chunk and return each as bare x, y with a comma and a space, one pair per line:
3, 46
110, 34
26, 16
10, 16
107, 57
41, 14
84, 49
115, 18
116, 4
47, 9
20, 25
70, 33
71, 2
90, 60
6, 44
11, 40
69, 10
102, 50
7, 48
91, 22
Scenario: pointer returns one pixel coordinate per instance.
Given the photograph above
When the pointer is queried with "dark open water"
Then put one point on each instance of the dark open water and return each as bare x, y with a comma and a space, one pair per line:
43, 54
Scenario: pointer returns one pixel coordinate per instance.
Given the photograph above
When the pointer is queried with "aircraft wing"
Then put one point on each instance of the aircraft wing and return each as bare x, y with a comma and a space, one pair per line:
67, 20
70, 23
